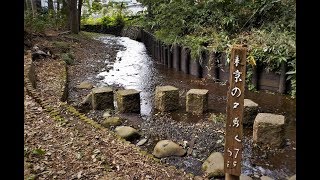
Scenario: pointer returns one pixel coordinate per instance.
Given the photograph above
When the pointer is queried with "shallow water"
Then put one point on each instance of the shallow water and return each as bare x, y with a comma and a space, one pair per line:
135, 69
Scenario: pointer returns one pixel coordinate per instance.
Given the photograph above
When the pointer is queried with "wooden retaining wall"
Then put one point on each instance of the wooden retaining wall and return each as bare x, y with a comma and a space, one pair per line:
211, 66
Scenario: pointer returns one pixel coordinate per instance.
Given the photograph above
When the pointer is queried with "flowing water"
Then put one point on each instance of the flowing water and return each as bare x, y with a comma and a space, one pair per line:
135, 69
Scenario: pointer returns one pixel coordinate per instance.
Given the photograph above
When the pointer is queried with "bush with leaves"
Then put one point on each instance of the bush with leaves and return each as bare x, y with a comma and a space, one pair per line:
266, 26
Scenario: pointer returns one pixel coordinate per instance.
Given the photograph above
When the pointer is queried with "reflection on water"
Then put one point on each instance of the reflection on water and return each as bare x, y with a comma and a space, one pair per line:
133, 69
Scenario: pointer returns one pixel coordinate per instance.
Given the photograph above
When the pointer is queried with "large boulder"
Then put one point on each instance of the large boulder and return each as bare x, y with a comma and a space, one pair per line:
268, 130
214, 165
127, 132
165, 148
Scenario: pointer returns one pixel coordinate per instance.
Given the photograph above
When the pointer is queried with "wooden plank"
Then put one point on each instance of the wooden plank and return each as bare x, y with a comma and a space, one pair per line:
235, 103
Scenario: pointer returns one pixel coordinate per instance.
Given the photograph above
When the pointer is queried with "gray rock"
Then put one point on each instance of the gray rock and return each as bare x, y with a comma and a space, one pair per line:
166, 148
142, 142
197, 101
87, 99
85, 104
292, 177
250, 112
167, 98
214, 165
85, 85
265, 178
245, 177
106, 114
128, 101
268, 130
102, 98
127, 132
112, 121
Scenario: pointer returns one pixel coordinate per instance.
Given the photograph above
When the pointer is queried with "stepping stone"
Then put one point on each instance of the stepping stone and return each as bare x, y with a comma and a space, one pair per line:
102, 98
197, 101
167, 98
250, 112
128, 101
268, 130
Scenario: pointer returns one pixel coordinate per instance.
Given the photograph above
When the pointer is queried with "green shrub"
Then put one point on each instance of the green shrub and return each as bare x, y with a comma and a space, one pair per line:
68, 58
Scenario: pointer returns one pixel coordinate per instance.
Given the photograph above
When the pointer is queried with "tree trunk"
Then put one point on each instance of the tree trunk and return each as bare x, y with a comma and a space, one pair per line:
65, 10
79, 12
50, 4
58, 6
25, 5
73, 17
33, 7
38, 5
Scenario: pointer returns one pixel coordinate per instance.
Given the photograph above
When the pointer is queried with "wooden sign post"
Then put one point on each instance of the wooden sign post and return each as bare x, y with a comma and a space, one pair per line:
235, 103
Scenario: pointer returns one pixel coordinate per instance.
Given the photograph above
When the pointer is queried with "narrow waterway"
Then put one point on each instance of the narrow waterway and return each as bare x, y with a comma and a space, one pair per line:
135, 69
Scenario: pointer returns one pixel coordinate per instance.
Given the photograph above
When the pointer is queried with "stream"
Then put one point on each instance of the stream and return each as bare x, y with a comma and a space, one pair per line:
135, 69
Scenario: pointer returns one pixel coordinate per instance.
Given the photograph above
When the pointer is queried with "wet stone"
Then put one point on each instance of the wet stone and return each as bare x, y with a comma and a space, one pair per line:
85, 85
268, 130
197, 101
142, 142
266, 178
127, 132
292, 177
166, 148
167, 98
214, 165
245, 177
112, 121
250, 112
102, 98
128, 101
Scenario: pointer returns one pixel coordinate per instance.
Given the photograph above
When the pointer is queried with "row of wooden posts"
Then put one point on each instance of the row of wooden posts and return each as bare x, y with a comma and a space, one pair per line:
211, 65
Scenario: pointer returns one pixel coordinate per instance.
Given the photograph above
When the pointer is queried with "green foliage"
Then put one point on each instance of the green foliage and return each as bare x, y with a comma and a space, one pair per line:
218, 118
266, 26
113, 21
61, 45
38, 151
91, 21
114, 15
96, 6
31, 177
43, 20
68, 58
